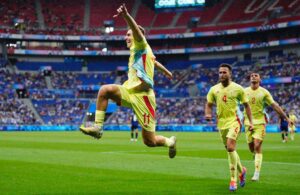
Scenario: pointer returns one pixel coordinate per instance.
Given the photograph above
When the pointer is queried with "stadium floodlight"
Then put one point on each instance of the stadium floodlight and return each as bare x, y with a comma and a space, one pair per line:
109, 29
109, 26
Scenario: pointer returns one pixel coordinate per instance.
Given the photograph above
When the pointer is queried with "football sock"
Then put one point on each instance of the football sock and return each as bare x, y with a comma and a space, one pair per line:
99, 118
282, 135
239, 164
136, 135
168, 142
232, 159
258, 161
131, 135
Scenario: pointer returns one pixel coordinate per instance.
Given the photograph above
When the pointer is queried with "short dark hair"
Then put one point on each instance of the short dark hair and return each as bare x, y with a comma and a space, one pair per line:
226, 66
254, 73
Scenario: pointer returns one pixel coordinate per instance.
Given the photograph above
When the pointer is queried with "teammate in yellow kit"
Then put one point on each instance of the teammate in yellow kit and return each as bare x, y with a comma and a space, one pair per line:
293, 120
137, 92
259, 98
227, 95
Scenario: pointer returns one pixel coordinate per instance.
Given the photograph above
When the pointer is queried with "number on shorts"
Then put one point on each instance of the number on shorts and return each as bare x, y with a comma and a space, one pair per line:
146, 119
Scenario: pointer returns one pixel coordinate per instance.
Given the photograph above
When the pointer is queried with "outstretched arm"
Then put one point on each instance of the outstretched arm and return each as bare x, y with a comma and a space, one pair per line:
136, 32
279, 110
163, 69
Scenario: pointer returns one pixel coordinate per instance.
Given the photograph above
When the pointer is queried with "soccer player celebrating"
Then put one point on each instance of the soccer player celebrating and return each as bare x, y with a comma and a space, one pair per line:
137, 92
227, 95
293, 120
259, 97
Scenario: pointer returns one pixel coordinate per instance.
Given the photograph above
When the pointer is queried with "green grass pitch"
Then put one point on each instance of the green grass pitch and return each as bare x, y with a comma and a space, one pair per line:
72, 163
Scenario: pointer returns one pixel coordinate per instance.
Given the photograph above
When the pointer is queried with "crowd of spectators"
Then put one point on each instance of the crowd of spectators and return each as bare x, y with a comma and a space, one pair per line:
61, 111
67, 17
27, 79
161, 81
14, 112
51, 94
120, 117
64, 80
188, 111
71, 80
57, 106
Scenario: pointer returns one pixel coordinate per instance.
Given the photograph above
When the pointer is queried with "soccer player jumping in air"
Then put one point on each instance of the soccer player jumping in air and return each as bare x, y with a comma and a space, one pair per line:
227, 95
259, 98
137, 92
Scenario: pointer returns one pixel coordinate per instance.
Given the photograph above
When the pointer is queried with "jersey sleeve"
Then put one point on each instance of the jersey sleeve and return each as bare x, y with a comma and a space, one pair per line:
243, 97
140, 45
269, 99
210, 96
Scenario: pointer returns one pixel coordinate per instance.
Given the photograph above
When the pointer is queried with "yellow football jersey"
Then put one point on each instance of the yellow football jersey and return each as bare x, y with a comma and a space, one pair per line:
227, 100
258, 100
293, 118
141, 65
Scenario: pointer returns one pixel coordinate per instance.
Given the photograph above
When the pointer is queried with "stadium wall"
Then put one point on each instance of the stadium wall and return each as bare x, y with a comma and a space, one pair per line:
177, 128
39, 59
241, 54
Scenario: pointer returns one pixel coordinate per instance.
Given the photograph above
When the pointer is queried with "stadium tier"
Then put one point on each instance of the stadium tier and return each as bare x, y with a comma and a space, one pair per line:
56, 56
81, 17
125, 70
63, 98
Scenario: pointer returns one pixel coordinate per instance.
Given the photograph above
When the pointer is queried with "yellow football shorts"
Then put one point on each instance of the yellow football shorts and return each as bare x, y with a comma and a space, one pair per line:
259, 132
143, 105
231, 133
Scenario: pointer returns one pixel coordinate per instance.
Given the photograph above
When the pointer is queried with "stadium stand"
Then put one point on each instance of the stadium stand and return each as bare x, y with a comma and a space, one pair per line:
64, 96
202, 73
61, 111
68, 17
19, 11
63, 14
15, 112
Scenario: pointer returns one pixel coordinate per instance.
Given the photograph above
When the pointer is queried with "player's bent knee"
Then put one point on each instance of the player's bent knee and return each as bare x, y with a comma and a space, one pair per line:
149, 138
107, 90
230, 148
103, 90
149, 142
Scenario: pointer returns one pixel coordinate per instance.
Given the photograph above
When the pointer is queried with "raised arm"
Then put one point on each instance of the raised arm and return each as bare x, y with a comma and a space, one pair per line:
163, 69
136, 32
